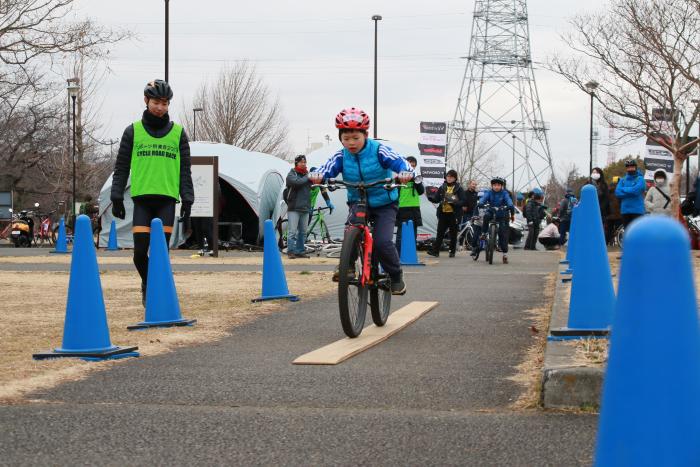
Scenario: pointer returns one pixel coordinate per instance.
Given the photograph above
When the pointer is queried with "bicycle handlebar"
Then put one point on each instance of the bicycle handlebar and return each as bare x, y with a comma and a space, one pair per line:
389, 184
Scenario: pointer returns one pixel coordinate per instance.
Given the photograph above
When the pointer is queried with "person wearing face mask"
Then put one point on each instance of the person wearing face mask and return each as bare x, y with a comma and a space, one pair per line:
630, 192
601, 186
657, 200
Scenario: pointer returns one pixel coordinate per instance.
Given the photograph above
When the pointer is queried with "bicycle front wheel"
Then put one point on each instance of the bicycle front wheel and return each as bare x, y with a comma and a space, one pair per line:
352, 296
492, 243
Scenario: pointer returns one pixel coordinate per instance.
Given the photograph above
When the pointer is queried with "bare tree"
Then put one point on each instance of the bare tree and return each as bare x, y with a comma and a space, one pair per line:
644, 55
239, 110
465, 165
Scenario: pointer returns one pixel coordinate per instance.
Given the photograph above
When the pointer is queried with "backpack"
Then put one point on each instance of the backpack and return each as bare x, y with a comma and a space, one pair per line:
688, 204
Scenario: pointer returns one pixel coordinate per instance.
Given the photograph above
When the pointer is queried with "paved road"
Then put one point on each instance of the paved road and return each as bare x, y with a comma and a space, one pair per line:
437, 393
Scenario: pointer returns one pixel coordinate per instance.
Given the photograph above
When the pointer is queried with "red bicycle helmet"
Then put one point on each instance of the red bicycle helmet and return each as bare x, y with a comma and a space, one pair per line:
352, 119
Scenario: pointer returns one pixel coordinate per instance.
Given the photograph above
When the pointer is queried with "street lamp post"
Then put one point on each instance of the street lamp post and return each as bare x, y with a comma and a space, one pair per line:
376, 19
194, 126
167, 35
73, 90
591, 86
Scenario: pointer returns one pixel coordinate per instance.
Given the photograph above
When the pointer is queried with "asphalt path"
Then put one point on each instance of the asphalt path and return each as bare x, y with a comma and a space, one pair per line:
437, 393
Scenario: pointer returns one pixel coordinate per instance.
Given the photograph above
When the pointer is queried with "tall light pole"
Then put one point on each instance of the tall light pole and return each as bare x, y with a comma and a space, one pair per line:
167, 35
591, 86
376, 19
73, 90
697, 152
194, 126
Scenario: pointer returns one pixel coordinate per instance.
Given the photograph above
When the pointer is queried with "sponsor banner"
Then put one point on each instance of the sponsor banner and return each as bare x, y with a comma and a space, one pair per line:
432, 148
657, 158
433, 173
439, 128
432, 139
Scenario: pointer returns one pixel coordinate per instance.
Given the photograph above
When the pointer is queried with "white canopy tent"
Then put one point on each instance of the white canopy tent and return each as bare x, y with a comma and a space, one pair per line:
251, 192
336, 221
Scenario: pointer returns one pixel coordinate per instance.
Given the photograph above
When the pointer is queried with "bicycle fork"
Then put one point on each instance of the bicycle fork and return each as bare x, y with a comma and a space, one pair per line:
366, 266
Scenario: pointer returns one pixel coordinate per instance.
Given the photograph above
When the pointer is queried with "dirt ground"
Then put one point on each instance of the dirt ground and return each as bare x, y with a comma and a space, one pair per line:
179, 259
33, 315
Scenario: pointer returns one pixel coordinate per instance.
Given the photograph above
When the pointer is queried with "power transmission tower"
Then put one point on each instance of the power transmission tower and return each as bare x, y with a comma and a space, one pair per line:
498, 115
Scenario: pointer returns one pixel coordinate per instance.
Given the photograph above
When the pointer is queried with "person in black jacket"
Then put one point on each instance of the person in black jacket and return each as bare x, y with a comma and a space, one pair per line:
298, 206
450, 199
535, 211
156, 152
601, 186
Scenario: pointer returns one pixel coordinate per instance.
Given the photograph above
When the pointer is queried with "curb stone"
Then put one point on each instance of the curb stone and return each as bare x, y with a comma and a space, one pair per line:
565, 382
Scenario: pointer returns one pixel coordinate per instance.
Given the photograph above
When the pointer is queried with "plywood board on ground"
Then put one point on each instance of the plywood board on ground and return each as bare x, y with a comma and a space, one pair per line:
343, 349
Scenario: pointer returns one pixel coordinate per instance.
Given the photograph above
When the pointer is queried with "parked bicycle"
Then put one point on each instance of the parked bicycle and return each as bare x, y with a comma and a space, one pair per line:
318, 238
360, 280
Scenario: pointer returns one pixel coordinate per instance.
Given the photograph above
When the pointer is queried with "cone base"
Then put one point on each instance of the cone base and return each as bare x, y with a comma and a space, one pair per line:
412, 264
567, 271
112, 353
58, 252
161, 324
290, 297
566, 279
560, 334
113, 249
564, 261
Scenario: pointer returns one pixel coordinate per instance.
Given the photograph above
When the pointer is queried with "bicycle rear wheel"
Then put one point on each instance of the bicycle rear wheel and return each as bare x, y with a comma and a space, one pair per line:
380, 299
352, 297
492, 243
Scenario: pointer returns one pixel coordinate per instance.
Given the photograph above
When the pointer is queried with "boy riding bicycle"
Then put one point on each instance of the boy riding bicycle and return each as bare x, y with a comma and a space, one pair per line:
363, 159
498, 197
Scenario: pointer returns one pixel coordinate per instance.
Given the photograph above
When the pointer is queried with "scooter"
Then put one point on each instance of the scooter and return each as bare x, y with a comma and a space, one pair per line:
22, 230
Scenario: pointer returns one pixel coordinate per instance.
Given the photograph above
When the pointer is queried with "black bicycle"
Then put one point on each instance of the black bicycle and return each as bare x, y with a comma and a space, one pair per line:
359, 279
489, 236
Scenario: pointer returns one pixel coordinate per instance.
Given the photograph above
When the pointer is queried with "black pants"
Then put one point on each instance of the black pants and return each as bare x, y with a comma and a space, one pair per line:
549, 242
533, 230
628, 218
446, 221
146, 209
203, 228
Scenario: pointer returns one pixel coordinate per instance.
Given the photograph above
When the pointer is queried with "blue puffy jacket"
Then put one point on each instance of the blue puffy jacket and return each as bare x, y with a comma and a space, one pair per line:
497, 200
630, 192
374, 162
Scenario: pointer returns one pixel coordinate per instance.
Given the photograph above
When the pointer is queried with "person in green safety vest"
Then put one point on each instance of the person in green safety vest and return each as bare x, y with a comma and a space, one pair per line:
156, 152
409, 205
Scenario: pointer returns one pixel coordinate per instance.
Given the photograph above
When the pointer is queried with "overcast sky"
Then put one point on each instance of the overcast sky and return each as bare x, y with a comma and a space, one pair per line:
317, 56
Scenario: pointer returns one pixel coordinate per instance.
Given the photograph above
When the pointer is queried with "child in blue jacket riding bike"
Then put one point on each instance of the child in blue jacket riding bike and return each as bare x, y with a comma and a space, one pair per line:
364, 159
498, 197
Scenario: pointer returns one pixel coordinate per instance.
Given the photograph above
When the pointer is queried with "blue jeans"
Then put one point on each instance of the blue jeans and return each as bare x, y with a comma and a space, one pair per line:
296, 231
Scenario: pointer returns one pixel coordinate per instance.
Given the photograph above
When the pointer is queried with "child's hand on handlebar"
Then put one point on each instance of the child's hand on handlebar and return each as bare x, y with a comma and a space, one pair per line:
405, 176
316, 178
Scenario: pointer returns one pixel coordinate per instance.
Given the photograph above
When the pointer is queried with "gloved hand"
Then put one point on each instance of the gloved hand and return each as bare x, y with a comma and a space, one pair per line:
185, 210
118, 209
330, 206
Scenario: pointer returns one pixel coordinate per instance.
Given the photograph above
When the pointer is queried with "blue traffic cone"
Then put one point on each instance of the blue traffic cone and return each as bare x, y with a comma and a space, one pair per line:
571, 243
162, 305
85, 331
113, 245
61, 244
592, 296
274, 282
650, 413
409, 256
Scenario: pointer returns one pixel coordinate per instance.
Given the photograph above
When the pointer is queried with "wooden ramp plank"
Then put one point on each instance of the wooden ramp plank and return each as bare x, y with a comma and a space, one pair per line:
343, 349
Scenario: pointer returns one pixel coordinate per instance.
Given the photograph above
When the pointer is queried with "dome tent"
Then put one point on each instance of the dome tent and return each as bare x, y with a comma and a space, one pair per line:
251, 189
336, 221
